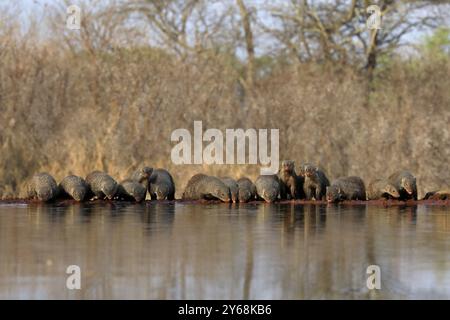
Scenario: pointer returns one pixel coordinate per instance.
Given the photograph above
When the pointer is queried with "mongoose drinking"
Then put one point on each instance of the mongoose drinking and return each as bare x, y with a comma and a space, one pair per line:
438, 195
346, 188
131, 190
405, 183
42, 187
73, 186
291, 185
380, 188
268, 187
201, 186
234, 188
246, 190
161, 185
315, 182
142, 175
102, 185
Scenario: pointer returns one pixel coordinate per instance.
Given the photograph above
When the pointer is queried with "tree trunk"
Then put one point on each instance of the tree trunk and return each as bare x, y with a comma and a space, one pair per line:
250, 46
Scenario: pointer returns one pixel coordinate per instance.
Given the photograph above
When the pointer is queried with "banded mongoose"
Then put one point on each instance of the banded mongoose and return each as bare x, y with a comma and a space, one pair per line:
381, 188
268, 187
201, 186
74, 187
438, 195
315, 182
246, 190
405, 183
291, 185
346, 188
131, 190
142, 175
161, 185
42, 187
101, 185
234, 188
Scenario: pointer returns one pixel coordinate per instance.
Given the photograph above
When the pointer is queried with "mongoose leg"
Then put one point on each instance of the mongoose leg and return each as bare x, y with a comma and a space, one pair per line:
318, 195
308, 193
293, 191
283, 193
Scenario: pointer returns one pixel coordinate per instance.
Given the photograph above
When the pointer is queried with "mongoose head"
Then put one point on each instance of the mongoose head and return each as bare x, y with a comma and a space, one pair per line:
223, 194
288, 166
139, 193
144, 174
408, 184
270, 194
233, 186
391, 190
334, 194
45, 193
308, 170
147, 171
244, 195
78, 194
109, 188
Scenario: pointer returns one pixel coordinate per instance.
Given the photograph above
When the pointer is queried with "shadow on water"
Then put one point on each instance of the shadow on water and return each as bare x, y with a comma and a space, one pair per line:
225, 251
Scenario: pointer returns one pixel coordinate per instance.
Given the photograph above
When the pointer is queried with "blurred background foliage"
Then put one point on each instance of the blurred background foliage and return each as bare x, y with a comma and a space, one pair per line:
107, 96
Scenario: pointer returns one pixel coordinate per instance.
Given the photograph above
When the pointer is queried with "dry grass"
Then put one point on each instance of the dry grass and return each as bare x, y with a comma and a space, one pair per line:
71, 111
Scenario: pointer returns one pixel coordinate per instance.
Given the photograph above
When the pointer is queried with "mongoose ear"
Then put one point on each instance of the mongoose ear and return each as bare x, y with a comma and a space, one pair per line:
339, 190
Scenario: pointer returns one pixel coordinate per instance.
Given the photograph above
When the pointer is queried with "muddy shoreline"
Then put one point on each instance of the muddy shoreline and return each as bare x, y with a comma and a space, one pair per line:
382, 203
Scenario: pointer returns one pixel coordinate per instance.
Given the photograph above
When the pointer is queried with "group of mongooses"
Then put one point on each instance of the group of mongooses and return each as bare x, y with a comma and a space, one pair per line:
310, 184
99, 185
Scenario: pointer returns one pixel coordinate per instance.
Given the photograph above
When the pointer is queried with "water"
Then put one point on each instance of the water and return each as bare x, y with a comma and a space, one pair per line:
221, 251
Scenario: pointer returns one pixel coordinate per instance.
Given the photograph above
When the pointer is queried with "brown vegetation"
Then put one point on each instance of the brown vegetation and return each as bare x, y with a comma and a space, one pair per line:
76, 101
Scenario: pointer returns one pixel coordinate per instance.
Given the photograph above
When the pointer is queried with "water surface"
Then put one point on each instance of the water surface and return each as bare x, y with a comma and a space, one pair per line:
221, 251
